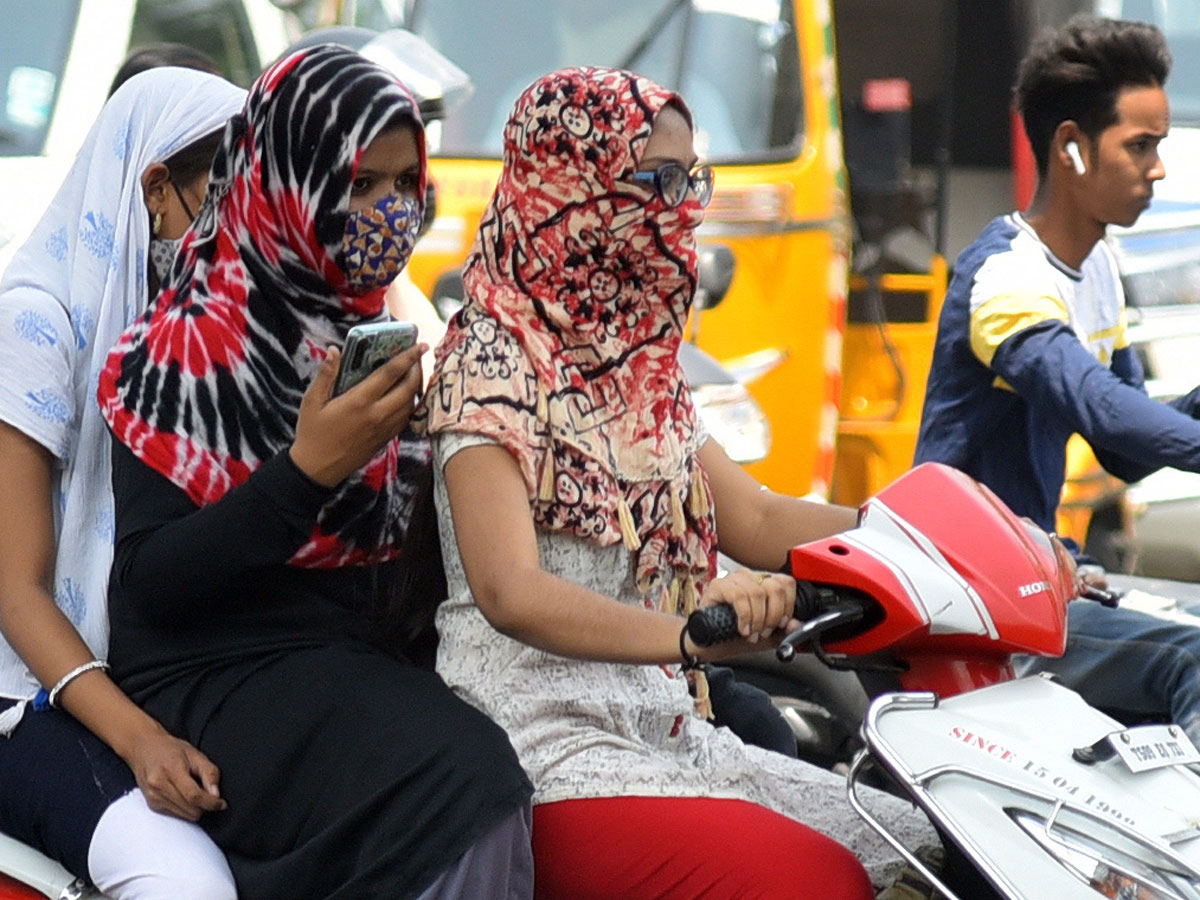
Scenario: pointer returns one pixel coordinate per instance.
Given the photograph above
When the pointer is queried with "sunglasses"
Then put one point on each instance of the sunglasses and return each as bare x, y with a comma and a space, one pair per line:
672, 181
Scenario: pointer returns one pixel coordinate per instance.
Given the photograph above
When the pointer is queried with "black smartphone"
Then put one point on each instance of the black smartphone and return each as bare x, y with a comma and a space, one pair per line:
368, 347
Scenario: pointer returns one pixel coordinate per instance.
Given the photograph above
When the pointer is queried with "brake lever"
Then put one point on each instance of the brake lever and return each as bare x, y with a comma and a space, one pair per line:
846, 613
1111, 599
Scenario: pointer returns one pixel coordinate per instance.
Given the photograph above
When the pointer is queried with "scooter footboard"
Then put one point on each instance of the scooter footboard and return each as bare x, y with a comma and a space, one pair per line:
1001, 772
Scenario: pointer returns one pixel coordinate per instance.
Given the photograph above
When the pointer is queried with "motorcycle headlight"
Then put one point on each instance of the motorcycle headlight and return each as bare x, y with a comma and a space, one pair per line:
733, 420
1110, 867
1123, 886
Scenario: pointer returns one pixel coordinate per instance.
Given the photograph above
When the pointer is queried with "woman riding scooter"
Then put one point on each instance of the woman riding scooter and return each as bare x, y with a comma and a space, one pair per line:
581, 503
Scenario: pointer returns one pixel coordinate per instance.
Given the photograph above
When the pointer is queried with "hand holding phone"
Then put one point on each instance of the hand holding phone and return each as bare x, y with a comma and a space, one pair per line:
336, 437
370, 346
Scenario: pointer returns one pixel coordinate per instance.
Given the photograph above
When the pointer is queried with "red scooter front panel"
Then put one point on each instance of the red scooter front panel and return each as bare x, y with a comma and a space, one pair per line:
961, 581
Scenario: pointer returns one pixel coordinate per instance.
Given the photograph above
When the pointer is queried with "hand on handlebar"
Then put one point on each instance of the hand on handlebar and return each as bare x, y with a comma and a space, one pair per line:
1091, 575
1090, 579
764, 604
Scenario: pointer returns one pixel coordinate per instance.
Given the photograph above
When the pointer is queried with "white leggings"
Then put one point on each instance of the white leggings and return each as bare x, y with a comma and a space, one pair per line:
138, 854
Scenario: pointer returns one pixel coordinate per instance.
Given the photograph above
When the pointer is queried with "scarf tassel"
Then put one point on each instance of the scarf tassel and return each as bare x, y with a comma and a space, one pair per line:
673, 597
698, 496
546, 485
678, 524
11, 717
690, 598
628, 528
703, 702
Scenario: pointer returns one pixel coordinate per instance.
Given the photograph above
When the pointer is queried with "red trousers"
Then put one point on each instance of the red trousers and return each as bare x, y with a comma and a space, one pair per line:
685, 848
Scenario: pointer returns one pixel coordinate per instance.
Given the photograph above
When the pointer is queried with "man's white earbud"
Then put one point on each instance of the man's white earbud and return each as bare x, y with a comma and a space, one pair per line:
1072, 149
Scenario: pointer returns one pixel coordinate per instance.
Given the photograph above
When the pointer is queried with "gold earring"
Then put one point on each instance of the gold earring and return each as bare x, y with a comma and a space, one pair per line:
157, 223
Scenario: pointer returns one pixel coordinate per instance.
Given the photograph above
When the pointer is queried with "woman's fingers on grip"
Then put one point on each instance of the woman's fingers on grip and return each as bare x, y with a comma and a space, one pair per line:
756, 624
736, 589
763, 602
743, 602
775, 596
781, 599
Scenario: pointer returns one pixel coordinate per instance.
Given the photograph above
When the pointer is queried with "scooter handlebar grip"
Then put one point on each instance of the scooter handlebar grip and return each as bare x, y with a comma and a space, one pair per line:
713, 625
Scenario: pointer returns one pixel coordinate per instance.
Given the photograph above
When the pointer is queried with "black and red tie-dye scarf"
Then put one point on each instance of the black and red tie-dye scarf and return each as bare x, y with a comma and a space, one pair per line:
565, 352
206, 386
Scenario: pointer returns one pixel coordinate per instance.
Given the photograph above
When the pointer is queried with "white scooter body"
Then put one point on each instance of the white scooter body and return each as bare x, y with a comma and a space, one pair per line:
981, 762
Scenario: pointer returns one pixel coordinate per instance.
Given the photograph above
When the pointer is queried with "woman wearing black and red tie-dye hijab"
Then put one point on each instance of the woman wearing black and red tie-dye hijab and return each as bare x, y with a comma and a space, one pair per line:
261, 521
282, 260
581, 504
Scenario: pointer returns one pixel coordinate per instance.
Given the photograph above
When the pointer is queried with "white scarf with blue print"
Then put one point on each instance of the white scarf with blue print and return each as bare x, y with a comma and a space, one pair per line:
68, 293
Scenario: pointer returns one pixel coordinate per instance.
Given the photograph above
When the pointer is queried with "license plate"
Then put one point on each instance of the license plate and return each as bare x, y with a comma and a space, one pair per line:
1154, 746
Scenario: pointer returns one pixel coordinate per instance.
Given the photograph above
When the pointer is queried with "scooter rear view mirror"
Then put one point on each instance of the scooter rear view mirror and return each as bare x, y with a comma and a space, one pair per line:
439, 85
714, 276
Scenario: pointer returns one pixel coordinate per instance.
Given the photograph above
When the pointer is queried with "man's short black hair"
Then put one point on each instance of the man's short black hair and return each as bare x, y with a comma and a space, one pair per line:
1077, 72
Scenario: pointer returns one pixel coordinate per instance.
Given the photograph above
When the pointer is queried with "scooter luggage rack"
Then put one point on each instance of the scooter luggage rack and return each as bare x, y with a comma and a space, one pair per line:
877, 746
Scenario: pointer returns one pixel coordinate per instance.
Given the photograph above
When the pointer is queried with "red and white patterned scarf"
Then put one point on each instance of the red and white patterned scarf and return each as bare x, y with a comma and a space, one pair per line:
206, 386
565, 352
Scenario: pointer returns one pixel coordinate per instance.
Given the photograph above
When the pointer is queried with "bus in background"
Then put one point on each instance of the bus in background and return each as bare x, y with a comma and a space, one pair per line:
58, 58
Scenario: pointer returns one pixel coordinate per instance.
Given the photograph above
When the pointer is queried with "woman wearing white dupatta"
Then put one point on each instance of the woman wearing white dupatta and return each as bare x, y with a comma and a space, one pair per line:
82, 276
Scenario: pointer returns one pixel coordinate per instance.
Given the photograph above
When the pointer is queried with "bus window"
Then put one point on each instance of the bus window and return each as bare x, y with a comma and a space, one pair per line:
735, 61
219, 28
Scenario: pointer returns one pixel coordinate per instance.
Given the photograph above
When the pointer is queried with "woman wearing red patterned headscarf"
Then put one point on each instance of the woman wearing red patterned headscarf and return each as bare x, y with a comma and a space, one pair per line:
581, 504
263, 524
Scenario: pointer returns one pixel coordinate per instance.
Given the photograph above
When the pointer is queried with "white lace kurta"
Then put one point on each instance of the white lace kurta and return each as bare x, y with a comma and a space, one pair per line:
590, 729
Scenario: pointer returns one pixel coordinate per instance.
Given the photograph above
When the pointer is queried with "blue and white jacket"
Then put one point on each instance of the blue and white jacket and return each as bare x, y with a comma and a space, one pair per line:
1030, 351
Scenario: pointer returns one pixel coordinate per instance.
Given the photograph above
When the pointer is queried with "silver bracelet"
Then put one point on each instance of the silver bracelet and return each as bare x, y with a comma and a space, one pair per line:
73, 674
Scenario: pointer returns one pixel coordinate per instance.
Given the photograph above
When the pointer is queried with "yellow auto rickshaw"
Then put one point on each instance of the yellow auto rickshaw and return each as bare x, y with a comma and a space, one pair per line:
761, 80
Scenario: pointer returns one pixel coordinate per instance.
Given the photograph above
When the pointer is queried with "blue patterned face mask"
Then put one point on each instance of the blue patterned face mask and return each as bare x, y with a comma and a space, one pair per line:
378, 241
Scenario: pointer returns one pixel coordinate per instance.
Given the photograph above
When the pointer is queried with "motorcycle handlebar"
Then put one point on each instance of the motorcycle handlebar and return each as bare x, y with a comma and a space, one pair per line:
1111, 599
716, 624
713, 625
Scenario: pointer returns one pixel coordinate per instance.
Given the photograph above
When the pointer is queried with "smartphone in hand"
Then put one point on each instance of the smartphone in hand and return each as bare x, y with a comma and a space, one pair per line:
368, 347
